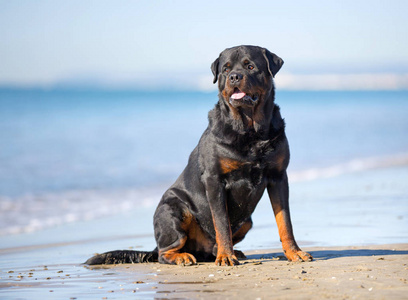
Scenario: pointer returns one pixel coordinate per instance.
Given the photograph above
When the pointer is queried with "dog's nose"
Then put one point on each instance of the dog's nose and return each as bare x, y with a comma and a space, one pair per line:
235, 77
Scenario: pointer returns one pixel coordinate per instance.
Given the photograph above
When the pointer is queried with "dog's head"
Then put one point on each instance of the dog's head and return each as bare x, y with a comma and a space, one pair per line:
244, 74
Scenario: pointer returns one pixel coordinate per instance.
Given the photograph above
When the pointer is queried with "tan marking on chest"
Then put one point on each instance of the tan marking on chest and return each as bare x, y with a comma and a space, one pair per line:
228, 165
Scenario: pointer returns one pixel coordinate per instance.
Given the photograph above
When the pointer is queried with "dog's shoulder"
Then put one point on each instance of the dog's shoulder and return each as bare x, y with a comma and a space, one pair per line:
277, 125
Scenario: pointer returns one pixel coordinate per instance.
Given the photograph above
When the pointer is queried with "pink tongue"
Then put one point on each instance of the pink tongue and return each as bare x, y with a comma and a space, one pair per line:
238, 95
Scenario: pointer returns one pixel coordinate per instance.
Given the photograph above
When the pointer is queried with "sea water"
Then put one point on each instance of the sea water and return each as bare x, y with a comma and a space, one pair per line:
68, 156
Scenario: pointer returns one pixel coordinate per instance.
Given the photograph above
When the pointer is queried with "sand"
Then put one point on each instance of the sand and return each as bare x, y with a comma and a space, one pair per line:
370, 272
362, 208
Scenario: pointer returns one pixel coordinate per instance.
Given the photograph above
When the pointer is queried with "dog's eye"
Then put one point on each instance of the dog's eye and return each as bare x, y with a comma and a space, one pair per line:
227, 69
251, 67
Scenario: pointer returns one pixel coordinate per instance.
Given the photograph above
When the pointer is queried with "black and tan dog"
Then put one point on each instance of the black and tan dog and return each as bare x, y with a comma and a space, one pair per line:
243, 151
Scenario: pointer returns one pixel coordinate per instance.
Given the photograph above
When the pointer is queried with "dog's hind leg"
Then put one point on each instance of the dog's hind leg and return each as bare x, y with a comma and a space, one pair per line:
171, 222
242, 231
239, 236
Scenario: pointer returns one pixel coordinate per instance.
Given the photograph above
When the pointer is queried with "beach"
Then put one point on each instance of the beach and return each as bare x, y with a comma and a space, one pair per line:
49, 263
103, 104
80, 176
375, 272
370, 272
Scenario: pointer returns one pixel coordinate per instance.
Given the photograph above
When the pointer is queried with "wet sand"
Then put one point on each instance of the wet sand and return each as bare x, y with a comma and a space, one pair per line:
369, 272
362, 208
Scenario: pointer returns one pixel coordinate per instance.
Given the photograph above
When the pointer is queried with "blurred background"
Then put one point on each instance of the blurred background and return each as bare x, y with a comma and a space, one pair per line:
171, 44
101, 103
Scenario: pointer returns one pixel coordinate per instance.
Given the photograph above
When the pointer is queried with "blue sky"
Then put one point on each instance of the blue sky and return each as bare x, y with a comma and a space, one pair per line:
128, 42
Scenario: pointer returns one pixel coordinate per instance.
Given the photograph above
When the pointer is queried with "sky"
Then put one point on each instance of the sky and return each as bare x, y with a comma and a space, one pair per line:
346, 44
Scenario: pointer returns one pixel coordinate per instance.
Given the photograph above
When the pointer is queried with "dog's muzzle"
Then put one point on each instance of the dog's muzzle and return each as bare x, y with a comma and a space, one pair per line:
240, 98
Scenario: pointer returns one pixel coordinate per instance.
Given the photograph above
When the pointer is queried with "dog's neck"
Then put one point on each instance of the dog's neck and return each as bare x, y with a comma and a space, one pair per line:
247, 114
246, 119
257, 118
253, 121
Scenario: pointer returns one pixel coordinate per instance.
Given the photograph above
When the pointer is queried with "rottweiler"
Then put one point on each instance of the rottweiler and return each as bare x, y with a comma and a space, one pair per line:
243, 151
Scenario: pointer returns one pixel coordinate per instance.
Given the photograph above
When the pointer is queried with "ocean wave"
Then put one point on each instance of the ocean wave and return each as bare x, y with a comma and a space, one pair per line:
355, 165
33, 212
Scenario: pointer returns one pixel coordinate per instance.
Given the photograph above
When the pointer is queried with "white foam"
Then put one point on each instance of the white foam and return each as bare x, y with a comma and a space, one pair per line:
354, 165
36, 212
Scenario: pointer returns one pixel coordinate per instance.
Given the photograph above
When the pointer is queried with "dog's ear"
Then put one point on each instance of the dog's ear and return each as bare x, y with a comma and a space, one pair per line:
214, 69
274, 62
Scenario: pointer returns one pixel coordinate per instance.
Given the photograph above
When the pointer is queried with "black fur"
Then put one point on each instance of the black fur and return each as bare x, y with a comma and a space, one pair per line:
243, 151
123, 257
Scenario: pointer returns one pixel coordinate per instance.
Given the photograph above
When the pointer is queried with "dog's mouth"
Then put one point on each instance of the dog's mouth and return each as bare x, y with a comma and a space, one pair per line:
239, 98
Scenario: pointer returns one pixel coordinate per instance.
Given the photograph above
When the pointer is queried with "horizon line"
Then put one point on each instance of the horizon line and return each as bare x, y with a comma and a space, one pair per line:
203, 83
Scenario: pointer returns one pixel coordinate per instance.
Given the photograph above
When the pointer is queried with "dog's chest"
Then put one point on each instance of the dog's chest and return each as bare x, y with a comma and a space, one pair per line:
247, 168
246, 181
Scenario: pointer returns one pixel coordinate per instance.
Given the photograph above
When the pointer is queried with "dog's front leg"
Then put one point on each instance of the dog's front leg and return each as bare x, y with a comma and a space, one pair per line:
279, 195
217, 199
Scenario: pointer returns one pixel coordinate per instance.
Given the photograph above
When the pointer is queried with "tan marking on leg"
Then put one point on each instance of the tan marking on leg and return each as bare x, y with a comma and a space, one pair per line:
225, 252
289, 245
174, 257
241, 232
196, 235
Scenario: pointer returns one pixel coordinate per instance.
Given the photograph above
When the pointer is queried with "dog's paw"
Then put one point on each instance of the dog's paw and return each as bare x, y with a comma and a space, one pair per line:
181, 259
297, 255
239, 254
226, 260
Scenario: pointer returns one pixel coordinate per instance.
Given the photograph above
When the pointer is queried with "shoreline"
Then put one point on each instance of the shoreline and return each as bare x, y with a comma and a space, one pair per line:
365, 208
335, 206
149, 196
375, 272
